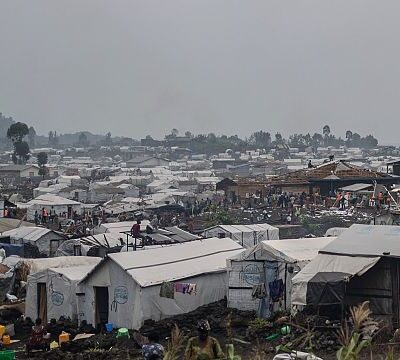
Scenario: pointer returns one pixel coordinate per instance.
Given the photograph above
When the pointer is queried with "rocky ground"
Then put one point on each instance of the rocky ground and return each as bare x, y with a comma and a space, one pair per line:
250, 336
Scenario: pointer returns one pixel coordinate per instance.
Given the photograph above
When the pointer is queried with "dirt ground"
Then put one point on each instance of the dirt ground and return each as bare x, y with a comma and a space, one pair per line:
227, 325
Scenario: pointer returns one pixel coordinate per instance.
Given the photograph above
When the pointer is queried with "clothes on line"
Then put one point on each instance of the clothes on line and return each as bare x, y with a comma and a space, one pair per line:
259, 291
186, 288
168, 289
276, 289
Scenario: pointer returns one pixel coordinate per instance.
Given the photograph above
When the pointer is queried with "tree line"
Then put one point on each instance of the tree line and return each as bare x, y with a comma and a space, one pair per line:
211, 143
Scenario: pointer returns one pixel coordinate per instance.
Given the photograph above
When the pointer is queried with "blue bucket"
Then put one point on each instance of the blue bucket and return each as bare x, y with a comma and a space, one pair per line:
109, 327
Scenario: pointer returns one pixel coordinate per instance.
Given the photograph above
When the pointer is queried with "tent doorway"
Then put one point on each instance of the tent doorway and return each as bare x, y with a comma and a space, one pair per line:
101, 298
42, 302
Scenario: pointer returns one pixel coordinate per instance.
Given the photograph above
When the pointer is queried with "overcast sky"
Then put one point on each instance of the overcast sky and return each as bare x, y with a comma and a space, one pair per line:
145, 67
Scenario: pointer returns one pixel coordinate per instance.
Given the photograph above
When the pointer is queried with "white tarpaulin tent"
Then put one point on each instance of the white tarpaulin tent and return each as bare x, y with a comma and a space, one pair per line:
60, 286
52, 202
361, 264
46, 240
267, 262
326, 265
124, 289
36, 265
245, 235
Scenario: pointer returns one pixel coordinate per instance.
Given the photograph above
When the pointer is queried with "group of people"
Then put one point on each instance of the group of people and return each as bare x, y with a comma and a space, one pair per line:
46, 216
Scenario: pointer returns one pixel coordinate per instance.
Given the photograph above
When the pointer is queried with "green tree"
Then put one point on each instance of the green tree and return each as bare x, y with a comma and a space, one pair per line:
369, 142
108, 139
42, 160
260, 139
174, 132
22, 152
278, 138
16, 132
326, 130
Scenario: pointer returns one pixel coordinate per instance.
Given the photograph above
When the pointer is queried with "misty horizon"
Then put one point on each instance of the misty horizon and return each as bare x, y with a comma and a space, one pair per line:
136, 68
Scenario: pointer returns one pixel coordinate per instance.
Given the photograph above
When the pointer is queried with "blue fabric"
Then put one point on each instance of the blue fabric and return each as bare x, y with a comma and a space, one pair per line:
12, 249
152, 349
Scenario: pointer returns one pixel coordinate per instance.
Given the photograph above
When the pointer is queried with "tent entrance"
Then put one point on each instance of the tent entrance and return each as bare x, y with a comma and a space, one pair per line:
42, 302
101, 298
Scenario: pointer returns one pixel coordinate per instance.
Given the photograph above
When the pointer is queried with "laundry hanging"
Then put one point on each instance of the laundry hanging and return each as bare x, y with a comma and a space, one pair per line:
186, 288
167, 290
276, 289
259, 291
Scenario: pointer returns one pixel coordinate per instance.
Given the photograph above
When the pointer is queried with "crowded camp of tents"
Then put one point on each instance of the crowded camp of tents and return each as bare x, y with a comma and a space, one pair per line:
127, 288
127, 263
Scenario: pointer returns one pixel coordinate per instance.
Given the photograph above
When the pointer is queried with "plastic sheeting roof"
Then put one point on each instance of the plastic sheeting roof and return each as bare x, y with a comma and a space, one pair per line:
154, 266
76, 273
28, 233
181, 235
105, 240
121, 226
348, 266
49, 200
37, 265
236, 229
356, 187
9, 224
367, 240
290, 251
335, 231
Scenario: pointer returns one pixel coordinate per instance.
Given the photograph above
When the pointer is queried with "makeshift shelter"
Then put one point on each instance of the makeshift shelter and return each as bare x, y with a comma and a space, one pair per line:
265, 265
358, 188
335, 231
62, 206
46, 240
246, 235
5, 205
128, 288
119, 227
32, 266
361, 264
9, 224
51, 293
93, 245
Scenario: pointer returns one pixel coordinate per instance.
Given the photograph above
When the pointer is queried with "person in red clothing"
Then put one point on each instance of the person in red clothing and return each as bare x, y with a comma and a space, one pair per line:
135, 230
